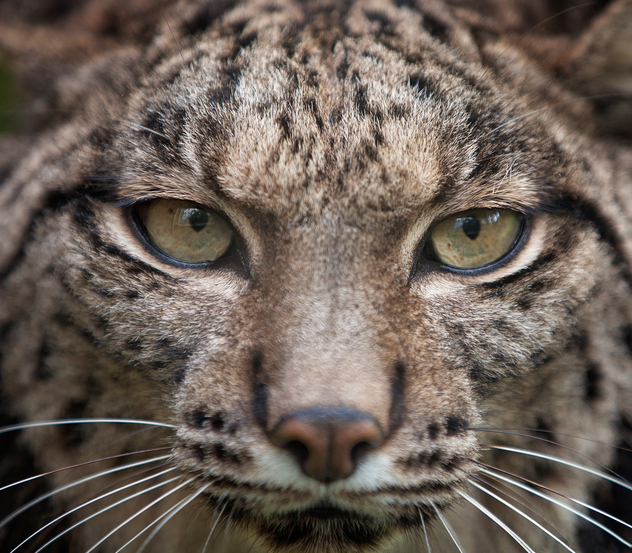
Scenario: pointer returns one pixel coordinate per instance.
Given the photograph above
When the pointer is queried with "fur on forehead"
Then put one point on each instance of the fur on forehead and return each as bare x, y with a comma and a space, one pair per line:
358, 126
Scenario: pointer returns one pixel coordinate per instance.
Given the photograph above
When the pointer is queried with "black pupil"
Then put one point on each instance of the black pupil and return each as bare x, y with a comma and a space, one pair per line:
471, 227
198, 219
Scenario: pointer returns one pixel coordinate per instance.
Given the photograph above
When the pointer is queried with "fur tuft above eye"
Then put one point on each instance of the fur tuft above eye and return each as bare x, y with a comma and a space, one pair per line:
185, 231
474, 239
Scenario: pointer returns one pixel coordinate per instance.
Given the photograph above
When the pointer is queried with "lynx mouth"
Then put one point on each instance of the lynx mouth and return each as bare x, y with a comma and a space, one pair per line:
334, 528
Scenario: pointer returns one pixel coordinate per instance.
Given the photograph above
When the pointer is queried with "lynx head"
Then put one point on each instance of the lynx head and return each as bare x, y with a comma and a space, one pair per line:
328, 243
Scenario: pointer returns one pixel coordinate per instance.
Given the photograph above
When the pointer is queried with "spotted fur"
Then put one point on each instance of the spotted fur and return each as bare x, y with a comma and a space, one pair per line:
332, 135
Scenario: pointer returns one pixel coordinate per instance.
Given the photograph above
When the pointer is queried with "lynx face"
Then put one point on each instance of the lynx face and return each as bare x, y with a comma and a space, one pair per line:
366, 263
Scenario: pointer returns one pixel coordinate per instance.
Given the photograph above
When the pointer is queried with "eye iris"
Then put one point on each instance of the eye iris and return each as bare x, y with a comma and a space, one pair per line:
185, 231
474, 239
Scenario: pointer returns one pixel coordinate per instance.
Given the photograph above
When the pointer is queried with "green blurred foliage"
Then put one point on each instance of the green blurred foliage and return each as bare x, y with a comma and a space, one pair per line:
9, 98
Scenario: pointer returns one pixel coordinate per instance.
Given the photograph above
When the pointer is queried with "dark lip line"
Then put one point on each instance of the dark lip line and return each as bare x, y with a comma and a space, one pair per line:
425, 489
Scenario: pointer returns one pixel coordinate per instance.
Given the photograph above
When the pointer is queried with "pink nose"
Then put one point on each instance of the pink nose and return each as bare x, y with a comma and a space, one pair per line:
328, 442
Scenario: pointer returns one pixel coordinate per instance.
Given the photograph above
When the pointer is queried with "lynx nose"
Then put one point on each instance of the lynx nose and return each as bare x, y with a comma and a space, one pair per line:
328, 441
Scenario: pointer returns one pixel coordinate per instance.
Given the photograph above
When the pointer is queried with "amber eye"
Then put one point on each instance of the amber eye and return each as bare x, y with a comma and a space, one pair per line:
186, 231
473, 239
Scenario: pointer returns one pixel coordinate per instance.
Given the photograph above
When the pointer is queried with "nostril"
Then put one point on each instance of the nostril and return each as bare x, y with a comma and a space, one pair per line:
299, 450
360, 450
328, 443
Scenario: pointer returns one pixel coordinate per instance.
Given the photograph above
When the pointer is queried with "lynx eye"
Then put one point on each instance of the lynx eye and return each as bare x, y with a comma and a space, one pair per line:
475, 238
186, 231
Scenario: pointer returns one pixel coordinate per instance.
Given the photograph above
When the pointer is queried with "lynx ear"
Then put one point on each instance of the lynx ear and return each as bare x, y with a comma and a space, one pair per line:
601, 66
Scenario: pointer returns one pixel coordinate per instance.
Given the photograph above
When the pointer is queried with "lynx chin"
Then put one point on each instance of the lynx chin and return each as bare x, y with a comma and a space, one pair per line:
316, 276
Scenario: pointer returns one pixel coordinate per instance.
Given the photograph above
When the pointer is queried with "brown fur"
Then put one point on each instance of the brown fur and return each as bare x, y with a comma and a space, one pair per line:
333, 136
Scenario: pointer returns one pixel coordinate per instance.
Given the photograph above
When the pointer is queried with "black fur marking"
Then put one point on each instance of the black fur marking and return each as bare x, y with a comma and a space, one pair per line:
398, 408
20, 465
455, 425
433, 431
53, 201
592, 382
626, 334
217, 421
584, 210
205, 16
197, 418
612, 499
74, 434
260, 391
43, 370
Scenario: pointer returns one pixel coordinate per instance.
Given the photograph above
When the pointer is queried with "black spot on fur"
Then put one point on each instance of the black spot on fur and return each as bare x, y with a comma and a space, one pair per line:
433, 431
626, 335
217, 421
74, 434
43, 370
592, 382
613, 499
396, 413
260, 390
435, 28
204, 16
197, 418
455, 425
220, 451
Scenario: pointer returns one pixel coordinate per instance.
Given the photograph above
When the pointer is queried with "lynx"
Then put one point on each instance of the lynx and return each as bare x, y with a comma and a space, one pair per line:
320, 276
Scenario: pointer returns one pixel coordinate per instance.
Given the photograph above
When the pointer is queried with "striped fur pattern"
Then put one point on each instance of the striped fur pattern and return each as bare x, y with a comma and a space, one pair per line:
333, 136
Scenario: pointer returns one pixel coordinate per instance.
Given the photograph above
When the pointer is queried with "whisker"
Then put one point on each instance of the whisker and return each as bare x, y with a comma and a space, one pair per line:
511, 432
520, 501
61, 422
219, 516
423, 525
178, 507
493, 517
60, 489
103, 496
566, 507
447, 526
92, 462
132, 124
522, 514
105, 509
138, 513
583, 468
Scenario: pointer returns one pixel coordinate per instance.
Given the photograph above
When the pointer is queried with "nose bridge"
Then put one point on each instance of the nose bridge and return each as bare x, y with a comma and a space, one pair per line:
331, 347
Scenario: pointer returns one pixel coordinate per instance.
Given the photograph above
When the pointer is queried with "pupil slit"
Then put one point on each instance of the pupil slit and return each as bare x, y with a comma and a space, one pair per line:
471, 227
198, 220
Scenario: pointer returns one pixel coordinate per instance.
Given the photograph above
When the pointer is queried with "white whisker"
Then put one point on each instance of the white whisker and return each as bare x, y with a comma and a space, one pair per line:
116, 504
92, 462
448, 528
564, 506
561, 461
92, 501
500, 523
423, 525
219, 516
175, 510
61, 422
61, 489
138, 513
523, 515
145, 129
